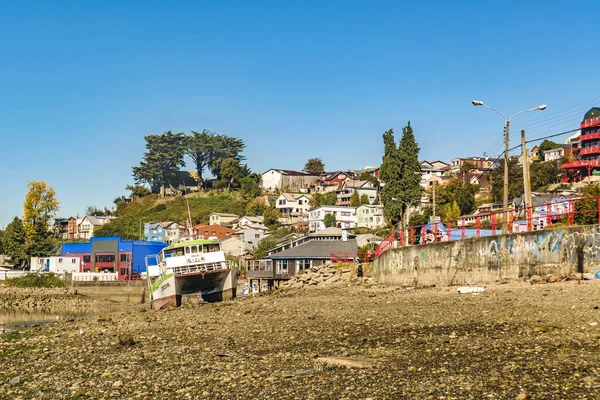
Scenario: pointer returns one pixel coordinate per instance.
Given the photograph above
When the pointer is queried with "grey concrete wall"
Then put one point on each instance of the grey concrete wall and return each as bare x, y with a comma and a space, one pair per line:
560, 251
130, 292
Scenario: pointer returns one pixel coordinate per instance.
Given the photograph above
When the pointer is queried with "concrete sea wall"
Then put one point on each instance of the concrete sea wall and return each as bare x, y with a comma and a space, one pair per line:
554, 251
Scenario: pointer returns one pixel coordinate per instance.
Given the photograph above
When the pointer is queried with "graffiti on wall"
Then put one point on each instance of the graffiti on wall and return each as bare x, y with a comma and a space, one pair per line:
584, 243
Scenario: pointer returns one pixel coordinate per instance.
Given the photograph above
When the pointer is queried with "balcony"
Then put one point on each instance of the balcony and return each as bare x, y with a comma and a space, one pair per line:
590, 150
581, 164
590, 136
590, 123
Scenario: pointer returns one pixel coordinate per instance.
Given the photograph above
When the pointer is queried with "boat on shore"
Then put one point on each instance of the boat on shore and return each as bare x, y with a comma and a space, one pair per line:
190, 267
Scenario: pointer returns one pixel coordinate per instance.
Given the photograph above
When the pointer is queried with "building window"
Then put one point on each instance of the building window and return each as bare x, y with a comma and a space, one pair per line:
123, 257
86, 259
303, 264
73, 261
60, 260
105, 258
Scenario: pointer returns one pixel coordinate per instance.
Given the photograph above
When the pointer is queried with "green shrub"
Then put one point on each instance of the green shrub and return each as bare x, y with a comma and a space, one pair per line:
48, 280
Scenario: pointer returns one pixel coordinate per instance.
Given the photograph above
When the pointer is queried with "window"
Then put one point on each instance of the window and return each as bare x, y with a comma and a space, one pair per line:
194, 249
123, 272
87, 259
282, 266
60, 260
73, 261
123, 257
257, 236
303, 264
105, 258
214, 233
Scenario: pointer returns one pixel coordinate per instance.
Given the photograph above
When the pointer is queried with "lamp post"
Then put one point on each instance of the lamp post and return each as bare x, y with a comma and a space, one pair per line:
506, 138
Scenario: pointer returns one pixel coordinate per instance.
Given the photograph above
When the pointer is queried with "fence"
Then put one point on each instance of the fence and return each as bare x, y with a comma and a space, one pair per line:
94, 276
4, 275
567, 212
366, 256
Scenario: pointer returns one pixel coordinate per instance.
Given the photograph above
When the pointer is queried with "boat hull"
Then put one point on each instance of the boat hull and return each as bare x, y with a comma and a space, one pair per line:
211, 286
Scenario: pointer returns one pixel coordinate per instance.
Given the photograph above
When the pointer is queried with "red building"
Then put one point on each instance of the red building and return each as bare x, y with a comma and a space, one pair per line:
588, 158
219, 231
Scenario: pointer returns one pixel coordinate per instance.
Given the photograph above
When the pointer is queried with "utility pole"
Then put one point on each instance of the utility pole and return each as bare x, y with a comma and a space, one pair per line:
505, 200
526, 174
434, 182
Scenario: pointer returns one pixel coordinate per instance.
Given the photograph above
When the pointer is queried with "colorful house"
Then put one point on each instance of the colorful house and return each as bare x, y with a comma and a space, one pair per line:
112, 254
587, 162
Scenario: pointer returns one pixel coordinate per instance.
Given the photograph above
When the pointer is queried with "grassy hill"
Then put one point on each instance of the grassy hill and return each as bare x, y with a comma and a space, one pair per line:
132, 216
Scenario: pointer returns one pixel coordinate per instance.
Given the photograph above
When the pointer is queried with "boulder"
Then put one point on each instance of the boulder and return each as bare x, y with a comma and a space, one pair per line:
552, 278
588, 276
535, 279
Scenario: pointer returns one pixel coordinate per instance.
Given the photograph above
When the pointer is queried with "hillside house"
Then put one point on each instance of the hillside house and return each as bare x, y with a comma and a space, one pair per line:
288, 181
247, 220
224, 219
331, 182
167, 232
354, 186
293, 205
478, 164
431, 169
370, 216
564, 150
207, 231
89, 223
345, 217
251, 234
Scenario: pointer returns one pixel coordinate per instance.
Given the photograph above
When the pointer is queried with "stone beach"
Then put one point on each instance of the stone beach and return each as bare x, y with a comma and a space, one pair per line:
342, 341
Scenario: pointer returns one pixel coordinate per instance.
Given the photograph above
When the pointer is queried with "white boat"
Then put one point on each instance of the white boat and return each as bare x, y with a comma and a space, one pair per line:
189, 267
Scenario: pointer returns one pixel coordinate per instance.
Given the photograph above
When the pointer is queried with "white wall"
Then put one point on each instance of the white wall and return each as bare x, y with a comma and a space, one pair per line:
345, 217
271, 180
55, 264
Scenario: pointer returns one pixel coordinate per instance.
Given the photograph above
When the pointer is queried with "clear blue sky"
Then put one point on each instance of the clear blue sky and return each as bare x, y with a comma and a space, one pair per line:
81, 83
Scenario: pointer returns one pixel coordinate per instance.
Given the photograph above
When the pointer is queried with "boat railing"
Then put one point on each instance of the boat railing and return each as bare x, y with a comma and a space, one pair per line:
190, 269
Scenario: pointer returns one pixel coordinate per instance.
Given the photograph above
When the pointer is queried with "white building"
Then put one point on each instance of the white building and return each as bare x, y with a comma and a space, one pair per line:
350, 187
293, 205
554, 154
55, 264
89, 223
345, 217
431, 169
224, 219
370, 216
288, 180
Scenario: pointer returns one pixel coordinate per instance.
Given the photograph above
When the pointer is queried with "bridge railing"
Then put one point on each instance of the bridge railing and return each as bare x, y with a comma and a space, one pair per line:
567, 212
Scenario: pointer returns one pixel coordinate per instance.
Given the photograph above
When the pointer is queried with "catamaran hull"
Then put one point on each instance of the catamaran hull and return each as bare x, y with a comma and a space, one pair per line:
212, 286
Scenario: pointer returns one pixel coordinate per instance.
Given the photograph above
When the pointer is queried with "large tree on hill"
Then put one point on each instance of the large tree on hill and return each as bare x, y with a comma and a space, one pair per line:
223, 147
199, 149
162, 160
401, 173
314, 165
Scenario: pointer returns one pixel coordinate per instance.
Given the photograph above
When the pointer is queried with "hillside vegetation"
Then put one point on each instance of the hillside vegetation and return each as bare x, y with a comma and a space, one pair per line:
150, 208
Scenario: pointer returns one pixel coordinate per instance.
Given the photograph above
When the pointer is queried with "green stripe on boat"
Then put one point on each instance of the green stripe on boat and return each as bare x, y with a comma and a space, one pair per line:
191, 243
159, 282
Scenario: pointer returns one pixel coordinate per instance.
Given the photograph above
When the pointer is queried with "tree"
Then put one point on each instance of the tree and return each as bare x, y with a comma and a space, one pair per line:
546, 145
162, 161
137, 190
401, 172
515, 180
39, 208
329, 220
323, 199
97, 212
250, 186
13, 241
456, 190
355, 200
365, 176
452, 211
271, 218
255, 207
315, 165
230, 171
582, 207
546, 173
223, 147
200, 148
263, 247
364, 199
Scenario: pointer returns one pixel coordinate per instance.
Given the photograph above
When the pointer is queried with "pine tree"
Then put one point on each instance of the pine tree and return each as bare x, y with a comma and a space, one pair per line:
390, 175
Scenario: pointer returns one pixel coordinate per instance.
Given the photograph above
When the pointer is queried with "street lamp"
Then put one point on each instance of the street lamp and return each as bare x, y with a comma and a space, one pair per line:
506, 137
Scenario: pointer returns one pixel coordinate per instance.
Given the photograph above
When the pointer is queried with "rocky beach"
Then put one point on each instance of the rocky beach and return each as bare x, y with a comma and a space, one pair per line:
342, 341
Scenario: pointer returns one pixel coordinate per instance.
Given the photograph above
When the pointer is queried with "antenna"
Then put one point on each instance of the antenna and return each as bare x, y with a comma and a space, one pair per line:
189, 218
